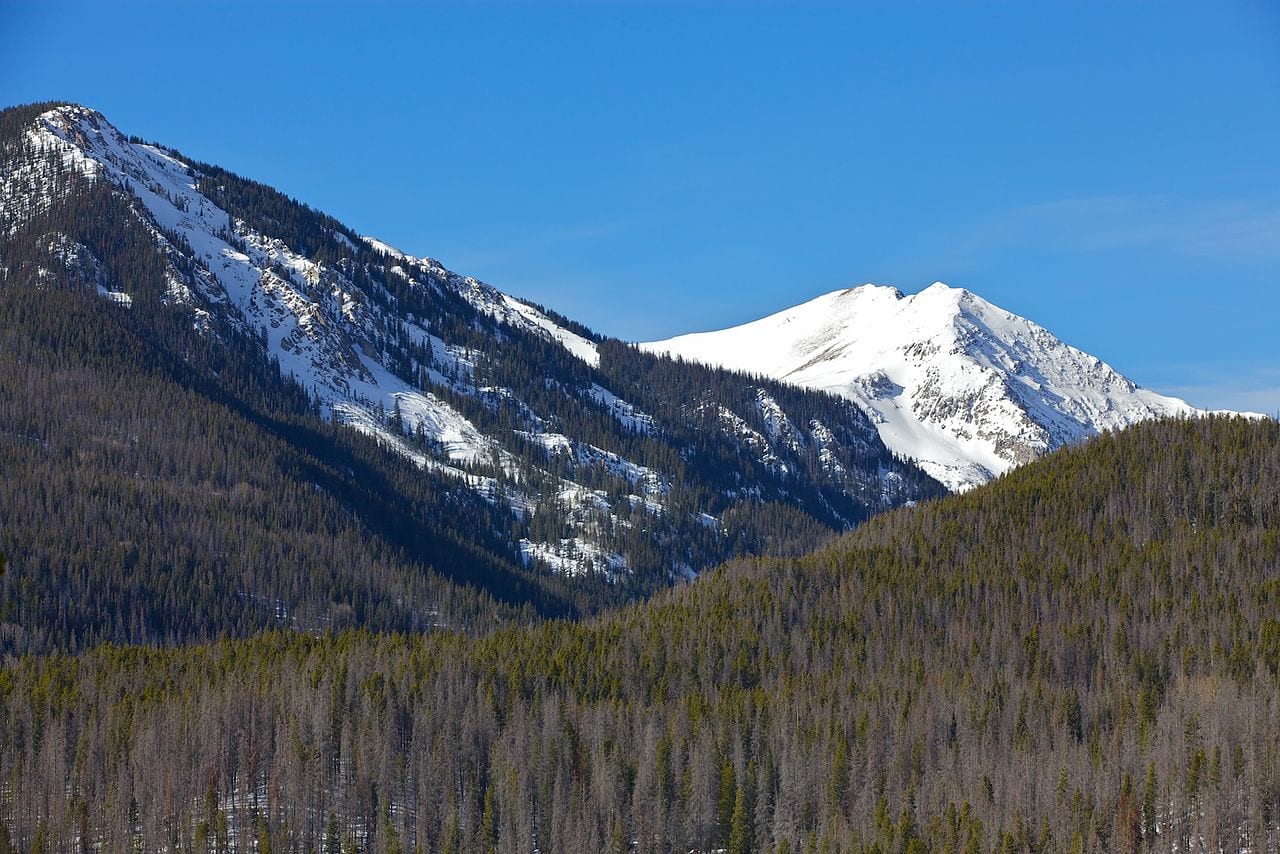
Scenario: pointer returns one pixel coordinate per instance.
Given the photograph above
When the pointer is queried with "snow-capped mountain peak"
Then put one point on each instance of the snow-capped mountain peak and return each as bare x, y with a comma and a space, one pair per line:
595, 458
964, 387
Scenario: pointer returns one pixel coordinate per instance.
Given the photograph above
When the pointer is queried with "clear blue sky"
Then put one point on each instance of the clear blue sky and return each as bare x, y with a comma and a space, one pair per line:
1109, 170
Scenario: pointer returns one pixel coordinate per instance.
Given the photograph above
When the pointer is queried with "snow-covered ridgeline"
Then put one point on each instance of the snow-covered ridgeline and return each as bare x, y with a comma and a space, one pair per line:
319, 325
293, 308
496, 304
964, 387
389, 373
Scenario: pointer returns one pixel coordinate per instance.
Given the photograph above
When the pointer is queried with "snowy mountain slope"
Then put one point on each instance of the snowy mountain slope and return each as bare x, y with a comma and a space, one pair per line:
526, 409
291, 297
967, 389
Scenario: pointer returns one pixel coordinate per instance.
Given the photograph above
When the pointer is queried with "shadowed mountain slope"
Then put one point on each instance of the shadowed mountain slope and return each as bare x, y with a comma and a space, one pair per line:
1083, 655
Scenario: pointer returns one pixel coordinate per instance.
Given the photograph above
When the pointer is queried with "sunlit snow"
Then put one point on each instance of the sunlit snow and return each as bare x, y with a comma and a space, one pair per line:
964, 387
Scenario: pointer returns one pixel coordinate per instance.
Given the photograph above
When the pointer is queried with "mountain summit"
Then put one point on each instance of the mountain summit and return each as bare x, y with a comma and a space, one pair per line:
331, 421
962, 386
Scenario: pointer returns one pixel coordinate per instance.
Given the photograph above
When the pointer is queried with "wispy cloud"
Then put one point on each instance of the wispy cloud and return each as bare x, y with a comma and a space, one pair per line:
1227, 230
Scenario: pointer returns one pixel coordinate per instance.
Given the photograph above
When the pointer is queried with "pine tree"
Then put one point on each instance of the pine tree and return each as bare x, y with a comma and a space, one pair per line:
741, 835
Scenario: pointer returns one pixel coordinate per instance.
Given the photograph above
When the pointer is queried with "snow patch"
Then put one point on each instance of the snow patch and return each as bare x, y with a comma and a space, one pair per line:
117, 297
628, 416
735, 425
573, 556
586, 455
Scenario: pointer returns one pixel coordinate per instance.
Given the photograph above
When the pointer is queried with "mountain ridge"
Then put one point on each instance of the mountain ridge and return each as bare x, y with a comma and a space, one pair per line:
583, 472
964, 387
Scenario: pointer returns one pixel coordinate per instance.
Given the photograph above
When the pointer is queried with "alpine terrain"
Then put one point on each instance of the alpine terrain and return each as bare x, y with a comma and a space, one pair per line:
963, 387
290, 517
323, 424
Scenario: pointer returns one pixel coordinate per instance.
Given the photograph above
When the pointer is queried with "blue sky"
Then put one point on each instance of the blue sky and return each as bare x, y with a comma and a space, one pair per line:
1110, 170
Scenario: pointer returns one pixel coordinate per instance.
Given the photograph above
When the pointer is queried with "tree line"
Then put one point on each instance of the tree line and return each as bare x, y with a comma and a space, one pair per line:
1082, 656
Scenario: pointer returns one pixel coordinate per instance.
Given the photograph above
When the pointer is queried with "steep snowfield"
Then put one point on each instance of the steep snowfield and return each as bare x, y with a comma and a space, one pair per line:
295, 310
967, 389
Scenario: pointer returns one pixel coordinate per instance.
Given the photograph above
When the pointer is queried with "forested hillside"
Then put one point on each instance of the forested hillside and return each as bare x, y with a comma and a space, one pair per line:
159, 485
1081, 656
222, 411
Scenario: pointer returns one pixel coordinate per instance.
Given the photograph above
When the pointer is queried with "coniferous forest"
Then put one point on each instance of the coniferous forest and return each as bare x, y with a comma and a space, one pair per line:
229, 622
1081, 656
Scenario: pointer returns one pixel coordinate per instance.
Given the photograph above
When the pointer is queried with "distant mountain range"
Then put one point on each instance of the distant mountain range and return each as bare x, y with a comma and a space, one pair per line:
963, 387
224, 413
509, 453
